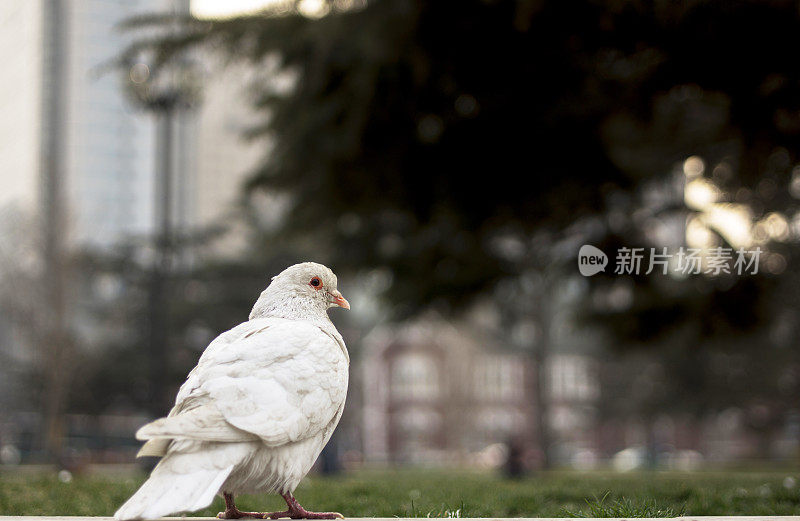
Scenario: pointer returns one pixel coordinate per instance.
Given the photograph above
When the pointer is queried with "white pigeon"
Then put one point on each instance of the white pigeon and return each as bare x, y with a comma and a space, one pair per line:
258, 408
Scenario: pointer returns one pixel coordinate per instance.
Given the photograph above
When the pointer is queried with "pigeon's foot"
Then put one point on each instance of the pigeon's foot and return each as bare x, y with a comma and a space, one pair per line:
296, 511
231, 512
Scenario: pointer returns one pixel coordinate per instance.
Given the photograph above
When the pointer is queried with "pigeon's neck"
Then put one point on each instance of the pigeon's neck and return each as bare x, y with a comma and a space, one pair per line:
289, 305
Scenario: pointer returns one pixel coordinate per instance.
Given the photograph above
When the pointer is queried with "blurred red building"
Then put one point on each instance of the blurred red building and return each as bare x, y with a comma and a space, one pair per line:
440, 392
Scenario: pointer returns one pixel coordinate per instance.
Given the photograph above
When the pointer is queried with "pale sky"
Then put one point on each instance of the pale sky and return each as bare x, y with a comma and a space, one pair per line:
226, 8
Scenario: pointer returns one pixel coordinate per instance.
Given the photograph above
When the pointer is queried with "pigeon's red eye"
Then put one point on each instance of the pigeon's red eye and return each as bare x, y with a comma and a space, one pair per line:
315, 283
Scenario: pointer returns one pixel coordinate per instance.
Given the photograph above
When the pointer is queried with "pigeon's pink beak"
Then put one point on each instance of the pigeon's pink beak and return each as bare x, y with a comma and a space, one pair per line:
339, 300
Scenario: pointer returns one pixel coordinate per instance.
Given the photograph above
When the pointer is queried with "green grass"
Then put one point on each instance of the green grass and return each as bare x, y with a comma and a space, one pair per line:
626, 507
434, 493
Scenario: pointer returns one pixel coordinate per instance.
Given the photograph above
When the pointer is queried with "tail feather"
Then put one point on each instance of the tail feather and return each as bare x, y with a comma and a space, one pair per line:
155, 447
174, 486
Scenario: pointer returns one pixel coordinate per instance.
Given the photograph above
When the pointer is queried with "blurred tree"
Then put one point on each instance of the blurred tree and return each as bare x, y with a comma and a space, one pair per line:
113, 370
23, 352
416, 133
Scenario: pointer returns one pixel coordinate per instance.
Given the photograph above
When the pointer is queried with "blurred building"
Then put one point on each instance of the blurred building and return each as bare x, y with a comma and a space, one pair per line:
573, 392
437, 392
452, 393
222, 158
20, 100
105, 149
573, 360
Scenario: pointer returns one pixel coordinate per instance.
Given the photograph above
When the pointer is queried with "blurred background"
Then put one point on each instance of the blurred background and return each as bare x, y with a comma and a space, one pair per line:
160, 160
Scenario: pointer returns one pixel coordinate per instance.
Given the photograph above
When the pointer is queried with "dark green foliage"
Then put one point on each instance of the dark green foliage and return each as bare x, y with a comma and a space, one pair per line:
419, 132
202, 302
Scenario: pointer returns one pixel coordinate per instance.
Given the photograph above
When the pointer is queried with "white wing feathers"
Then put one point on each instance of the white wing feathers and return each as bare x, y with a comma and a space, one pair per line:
204, 423
274, 379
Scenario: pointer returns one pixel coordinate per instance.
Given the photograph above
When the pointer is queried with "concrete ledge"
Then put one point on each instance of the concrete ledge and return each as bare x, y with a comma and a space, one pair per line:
189, 518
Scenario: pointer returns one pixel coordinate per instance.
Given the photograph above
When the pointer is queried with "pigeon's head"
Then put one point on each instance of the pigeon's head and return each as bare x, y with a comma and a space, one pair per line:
305, 286
312, 279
